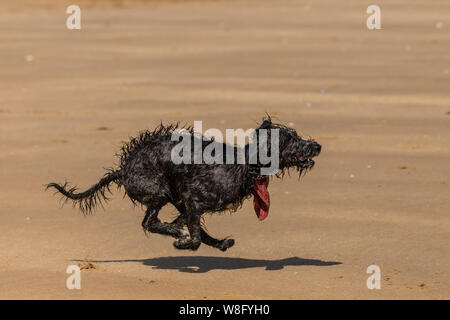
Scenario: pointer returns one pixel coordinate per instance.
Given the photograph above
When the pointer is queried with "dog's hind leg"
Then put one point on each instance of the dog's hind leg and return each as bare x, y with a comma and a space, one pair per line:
152, 223
179, 221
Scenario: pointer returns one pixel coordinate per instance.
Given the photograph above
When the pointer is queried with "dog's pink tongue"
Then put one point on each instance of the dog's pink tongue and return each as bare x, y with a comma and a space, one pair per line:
261, 201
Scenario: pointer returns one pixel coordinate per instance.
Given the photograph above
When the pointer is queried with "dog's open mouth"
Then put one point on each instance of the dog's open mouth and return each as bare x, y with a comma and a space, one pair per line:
305, 162
261, 200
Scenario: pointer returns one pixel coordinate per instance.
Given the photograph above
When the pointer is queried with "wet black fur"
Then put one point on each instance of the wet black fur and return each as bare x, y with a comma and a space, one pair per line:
150, 178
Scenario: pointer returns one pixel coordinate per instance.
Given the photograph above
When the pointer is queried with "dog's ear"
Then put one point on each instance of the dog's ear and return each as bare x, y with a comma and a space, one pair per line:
267, 124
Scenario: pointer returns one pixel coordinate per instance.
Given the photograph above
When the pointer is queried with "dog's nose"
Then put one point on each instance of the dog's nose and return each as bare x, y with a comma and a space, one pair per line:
315, 148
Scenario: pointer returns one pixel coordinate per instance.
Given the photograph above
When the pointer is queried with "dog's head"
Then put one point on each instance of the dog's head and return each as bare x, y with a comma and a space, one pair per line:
294, 151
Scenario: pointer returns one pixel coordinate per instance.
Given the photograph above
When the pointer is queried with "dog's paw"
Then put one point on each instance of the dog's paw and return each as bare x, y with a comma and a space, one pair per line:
183, 235
226, 243
184, 244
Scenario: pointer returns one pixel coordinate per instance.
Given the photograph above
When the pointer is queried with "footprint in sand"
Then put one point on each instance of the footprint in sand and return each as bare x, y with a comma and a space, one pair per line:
103, 128
404, 168
87, 266
60, 141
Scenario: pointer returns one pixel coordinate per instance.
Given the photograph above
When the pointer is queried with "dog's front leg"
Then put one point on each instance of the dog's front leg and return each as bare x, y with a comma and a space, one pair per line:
223, 244
193, 224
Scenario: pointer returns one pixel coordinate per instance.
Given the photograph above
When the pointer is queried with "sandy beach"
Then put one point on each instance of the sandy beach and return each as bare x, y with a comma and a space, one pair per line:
378, 101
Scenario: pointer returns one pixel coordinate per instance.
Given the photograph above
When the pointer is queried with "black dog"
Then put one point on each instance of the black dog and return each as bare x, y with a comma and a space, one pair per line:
151, 178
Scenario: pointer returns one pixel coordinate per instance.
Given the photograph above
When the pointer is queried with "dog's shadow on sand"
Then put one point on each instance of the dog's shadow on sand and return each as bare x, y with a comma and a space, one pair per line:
202, 264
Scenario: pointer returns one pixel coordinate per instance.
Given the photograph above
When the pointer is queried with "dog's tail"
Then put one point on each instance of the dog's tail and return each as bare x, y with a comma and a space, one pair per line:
89, 199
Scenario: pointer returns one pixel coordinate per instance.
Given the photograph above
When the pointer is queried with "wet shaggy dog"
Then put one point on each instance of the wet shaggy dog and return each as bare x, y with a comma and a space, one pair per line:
151, 178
